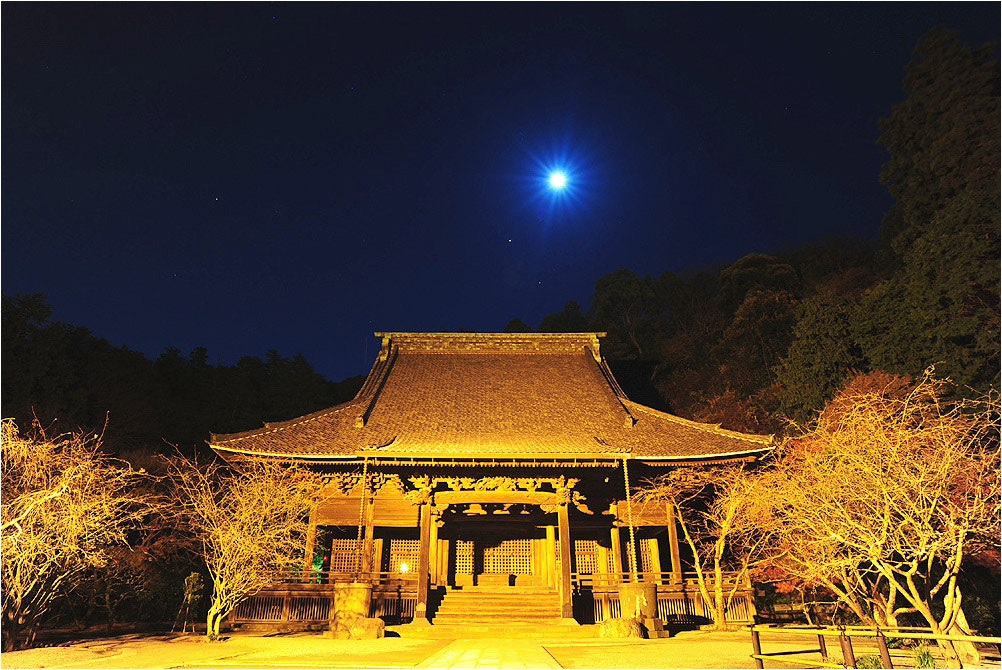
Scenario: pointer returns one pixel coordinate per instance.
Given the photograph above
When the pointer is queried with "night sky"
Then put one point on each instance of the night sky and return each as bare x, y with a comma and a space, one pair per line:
253, 176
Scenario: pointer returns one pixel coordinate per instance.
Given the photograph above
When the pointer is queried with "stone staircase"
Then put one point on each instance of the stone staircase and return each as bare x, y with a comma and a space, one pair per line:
498, 612
492, 605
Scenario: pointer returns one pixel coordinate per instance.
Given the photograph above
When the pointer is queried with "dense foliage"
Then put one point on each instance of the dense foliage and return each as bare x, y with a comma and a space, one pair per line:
53, 370
65, 508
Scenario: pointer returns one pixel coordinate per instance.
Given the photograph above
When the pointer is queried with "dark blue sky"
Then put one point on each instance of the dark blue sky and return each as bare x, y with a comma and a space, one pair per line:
254, 176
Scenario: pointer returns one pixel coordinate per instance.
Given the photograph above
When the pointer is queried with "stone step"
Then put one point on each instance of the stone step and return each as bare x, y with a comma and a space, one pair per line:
494, 588
526, 597
496, 614
468, 604
493, 630
452, 608
487, 620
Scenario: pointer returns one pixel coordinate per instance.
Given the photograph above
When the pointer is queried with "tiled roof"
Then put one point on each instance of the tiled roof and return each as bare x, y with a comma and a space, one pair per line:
463, 395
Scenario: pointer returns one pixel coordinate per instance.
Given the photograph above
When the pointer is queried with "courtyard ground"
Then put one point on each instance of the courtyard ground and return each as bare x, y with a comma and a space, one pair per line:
691, 649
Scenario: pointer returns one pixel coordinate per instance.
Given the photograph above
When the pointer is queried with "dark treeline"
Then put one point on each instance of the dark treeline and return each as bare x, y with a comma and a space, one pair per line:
69, 379
770, 337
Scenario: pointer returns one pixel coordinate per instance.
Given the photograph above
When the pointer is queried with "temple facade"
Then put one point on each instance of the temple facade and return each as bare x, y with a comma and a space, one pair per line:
478, 476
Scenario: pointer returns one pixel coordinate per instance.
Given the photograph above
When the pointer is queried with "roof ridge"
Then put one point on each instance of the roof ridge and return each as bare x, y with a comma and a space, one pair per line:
388, 356
707, 427
510, 343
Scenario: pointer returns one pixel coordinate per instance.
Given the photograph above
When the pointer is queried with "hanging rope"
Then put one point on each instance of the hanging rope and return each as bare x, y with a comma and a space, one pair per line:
629, 513
361, 517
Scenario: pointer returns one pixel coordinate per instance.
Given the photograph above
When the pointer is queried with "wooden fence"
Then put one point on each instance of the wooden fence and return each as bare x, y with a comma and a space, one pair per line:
845, 636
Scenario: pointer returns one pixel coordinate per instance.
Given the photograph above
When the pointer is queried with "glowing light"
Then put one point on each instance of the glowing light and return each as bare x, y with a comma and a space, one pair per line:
558, 180
404, 567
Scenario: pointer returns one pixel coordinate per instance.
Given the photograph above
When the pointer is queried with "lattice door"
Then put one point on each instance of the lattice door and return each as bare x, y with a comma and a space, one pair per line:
585, 554
464, 557
343, 551
646, 560
403, 552
511, 557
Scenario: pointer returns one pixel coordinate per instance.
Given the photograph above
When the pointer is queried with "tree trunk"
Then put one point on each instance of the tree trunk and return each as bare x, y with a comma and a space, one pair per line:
966, 651
11, 631
111, 610
719, 611
212, 622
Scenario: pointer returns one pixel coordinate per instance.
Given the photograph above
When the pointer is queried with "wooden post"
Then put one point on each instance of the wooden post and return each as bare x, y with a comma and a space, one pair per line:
823, 647
654, 550
433, 549
885, 656
601, 576
848, 659
676, 559
756, 646
617, 555
564, 531
311, 541
551, 557
377, 559
421, 608
367, 544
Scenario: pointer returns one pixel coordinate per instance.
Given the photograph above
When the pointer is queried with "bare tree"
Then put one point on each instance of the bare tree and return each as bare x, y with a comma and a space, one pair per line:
251, 524
884, 497
725, 522
64, 506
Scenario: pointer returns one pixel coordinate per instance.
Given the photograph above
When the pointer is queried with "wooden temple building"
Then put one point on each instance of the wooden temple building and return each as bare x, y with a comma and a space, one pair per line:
479, 477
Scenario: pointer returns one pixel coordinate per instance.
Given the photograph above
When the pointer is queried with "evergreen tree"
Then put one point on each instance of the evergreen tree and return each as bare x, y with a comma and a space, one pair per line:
942, 304
821, 355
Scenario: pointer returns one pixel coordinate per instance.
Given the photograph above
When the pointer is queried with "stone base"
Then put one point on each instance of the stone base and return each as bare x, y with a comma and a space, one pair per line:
358, 628
622, 628
418, 622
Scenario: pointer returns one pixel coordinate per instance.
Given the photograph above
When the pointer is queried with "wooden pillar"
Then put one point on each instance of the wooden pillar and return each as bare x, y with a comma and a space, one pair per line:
676, 559
433, 550
566, 608
551, 557
617, 555
443, 561
654, 550
367, 545
311, 541
421, 608
601, 578
377, 559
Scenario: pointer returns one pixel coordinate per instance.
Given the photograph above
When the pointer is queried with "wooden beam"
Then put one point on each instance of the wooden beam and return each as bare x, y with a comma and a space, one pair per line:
513, 497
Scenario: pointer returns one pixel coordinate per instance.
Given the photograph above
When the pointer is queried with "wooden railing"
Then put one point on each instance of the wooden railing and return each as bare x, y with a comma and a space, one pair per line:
306, 597
845, 635
377, 579
602, 580
596, 580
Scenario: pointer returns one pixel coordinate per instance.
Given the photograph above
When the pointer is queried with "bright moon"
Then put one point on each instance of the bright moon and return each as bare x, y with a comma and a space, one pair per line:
558, 180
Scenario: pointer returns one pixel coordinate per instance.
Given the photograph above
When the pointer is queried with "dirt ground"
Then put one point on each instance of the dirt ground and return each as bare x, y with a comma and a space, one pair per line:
692, 649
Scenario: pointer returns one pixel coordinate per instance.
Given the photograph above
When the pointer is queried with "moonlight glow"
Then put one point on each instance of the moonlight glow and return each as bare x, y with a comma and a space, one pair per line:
558, 180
